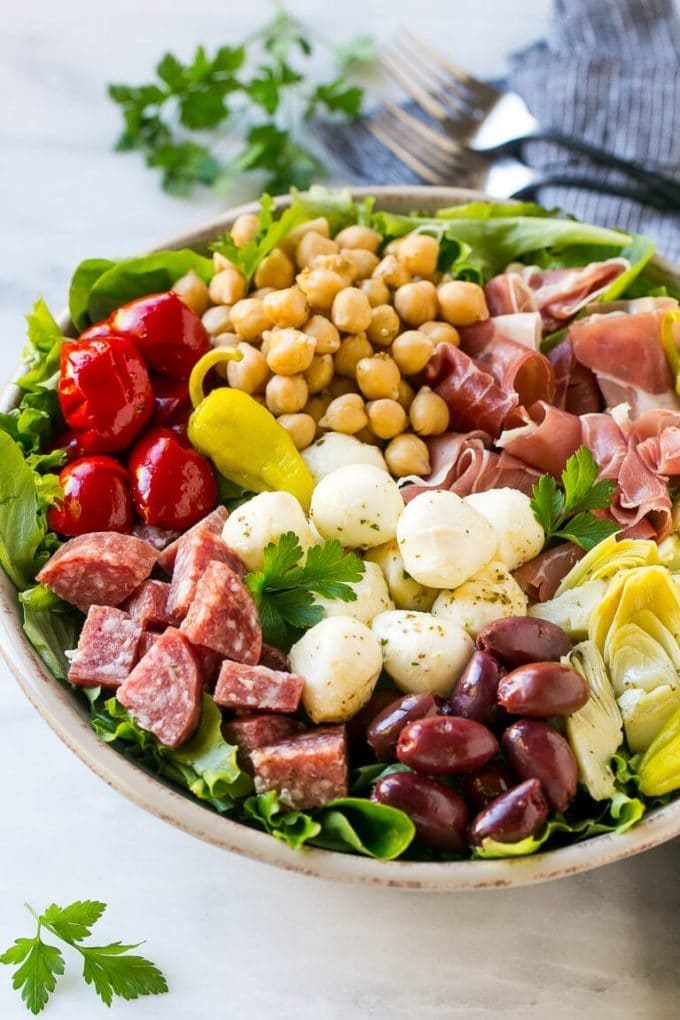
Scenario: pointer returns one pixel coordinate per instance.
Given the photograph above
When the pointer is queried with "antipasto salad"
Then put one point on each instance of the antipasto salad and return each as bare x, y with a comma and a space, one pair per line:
361, 527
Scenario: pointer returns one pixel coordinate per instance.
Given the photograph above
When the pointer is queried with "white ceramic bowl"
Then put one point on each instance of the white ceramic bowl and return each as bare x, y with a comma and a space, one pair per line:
67, 716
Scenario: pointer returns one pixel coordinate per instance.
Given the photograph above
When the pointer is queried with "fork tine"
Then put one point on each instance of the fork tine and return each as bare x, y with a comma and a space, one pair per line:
435, 138
486, 93
407, 158
434, 158
412, 72
424, 99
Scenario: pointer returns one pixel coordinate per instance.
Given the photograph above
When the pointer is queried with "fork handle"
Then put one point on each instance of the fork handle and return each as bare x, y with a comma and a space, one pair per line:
656, 182
642, 195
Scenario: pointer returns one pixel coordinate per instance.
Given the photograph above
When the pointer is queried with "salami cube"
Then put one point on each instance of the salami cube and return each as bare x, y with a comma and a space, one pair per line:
101, 568
306, 771
274, 658
223, 616
212, 524
208, 662
163, 691
195, 554
149, 605
257, 687
159, 538
107, 650
147, 641
253, 731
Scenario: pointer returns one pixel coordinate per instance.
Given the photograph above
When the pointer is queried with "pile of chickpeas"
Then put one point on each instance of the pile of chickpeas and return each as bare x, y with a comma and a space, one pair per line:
334, 336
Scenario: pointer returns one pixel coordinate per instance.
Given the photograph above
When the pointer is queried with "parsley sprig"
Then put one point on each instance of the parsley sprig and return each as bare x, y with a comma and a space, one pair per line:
111, 969
566, 513
258, 90
285, 587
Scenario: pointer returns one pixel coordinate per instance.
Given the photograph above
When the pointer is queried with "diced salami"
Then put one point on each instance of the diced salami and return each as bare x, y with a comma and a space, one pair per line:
149, 605
107, 650
101, 568
209, 663
196, 552
159, 538
223, 616
257, 687
306, 771
274, 658
252, 731
147, 641
163, 691
212, 524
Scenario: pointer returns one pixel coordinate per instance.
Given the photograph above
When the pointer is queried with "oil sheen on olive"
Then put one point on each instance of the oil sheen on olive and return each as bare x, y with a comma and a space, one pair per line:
542, 689
516, 640
439, 814
537, 751
445, 745
512, 816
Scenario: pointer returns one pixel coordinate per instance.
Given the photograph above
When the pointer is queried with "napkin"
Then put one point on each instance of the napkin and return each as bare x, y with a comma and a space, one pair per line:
609, 72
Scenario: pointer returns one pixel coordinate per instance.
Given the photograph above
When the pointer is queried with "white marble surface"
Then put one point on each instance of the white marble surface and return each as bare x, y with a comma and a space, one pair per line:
236, 938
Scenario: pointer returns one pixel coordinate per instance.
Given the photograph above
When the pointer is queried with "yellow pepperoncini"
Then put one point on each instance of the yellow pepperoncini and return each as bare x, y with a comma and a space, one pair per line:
670, 338
659, 770
242, 438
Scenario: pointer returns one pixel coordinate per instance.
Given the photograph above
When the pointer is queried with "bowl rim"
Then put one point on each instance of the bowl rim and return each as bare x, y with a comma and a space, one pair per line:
67, 718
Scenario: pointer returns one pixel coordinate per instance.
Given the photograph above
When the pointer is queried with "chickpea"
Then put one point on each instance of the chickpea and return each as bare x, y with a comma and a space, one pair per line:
416, 302
406, 395
378, 377
339, 385
412, 351
221, 262
316, 405
320, 285
261, 292
376, 290
345, 414
351, 312
324, 332
407, 455
250, 373
249, 318
392, 271
227, 287
286, 394
225, 341
392, 247
419, 253
266, 344
384, 325
366, 436
193, 292
441, 333
217, 319
289, 351
429, 413
362, 259
339, 264
320, 372
386, 418
352, 349
462, 303
292, 240
244, 229
357, 236
275, 270
311, 245
300, 427
286, 307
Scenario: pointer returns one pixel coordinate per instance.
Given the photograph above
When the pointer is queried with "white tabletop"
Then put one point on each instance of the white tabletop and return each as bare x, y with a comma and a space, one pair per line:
234, 937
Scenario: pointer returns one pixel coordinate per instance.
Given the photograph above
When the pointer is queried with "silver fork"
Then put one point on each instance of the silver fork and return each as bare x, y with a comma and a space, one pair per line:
438, 159
490, 122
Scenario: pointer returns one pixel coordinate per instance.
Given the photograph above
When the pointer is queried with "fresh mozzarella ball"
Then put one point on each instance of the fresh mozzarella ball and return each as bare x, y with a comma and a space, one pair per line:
372, 597
422, 652
406, 593
520, 536
490, 595
340, 662
359, 505
335, 450
443, 541
261, 520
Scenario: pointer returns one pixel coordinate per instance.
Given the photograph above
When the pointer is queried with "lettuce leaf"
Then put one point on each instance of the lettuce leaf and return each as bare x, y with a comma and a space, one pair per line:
294, 828
51, 626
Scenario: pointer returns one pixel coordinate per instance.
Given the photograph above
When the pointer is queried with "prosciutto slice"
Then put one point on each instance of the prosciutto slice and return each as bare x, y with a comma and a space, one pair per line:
560, 293
626, 354
514, 366
576, 388
540, 578
546, 440
474, 398
507, 293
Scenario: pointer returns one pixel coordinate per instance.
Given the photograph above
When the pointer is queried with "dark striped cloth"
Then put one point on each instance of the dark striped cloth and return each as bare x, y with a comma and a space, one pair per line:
609, 72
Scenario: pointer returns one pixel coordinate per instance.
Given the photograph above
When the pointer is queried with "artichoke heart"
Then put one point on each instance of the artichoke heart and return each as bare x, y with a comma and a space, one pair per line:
595, 732
572, 609
609, 558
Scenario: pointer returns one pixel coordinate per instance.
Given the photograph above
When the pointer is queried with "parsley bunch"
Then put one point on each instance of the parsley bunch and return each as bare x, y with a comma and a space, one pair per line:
566, 514
258, 89
110, 969
284, 589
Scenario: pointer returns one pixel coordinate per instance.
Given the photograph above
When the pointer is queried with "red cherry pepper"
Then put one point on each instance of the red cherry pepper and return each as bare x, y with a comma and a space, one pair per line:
69, 442
96, 498
173, 486
172, 405
170, 337
104, 392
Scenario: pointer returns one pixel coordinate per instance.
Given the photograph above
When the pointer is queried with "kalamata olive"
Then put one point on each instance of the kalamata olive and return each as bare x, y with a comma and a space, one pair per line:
516, 640
384, 730
512, 816
444, 745
357, 727
537, 751
540, 689
475, 694
481, 787
438, 813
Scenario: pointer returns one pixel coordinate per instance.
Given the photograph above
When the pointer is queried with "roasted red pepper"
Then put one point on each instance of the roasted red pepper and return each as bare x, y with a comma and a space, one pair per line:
96, 498
104, 392
170, 337
172, 405
173, 486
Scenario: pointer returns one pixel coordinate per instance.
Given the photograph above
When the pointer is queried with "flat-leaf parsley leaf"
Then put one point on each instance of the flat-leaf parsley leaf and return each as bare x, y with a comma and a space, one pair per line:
566, 514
